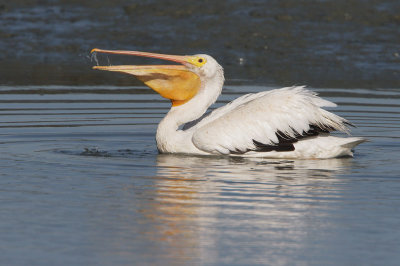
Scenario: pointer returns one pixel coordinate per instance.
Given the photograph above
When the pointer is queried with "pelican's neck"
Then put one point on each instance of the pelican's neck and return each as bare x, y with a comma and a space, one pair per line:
167, 131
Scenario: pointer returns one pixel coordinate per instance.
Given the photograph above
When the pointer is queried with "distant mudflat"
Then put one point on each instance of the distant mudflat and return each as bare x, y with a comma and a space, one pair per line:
319, 43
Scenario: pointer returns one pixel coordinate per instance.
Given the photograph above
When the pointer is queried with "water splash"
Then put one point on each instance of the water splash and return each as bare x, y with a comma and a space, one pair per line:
93, 57
108, 61
95, 152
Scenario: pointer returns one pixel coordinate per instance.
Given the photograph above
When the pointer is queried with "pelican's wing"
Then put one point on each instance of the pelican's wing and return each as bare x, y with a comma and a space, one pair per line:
266, 121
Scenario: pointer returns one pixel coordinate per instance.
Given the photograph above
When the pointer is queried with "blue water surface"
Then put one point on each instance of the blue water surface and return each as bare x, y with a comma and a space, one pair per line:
81, 183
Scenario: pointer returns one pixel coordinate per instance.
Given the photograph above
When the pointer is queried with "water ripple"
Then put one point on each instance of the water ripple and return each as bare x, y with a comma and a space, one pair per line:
81, 164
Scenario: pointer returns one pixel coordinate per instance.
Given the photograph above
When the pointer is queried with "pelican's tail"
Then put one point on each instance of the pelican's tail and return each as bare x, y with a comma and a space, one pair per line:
327, 146
351, 143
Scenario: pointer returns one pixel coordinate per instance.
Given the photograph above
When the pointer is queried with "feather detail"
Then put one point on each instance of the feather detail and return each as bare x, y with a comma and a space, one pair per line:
266, 121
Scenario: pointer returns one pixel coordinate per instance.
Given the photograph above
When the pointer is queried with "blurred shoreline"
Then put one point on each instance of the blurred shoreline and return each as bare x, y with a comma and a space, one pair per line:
340, 43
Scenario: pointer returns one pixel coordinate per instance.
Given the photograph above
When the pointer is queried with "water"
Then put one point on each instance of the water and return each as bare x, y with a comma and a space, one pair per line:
81, 183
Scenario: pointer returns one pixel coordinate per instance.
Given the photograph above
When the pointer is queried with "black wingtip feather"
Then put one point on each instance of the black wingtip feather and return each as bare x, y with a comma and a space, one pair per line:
284, 146
285, 142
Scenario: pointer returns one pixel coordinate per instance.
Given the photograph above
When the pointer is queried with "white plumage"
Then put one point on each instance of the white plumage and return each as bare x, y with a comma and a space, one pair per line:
281, 123
235, 129
260, 116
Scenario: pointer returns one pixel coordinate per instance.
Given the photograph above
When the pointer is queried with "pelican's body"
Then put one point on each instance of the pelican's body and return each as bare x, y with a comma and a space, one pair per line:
281, 123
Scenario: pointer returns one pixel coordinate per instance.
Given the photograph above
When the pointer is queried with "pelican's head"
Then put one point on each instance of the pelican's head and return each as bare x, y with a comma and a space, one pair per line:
179, 83
206, 68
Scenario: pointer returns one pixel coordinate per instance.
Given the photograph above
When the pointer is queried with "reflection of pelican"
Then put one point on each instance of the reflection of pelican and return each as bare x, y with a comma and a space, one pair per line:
283, 123
240, 198
188, 167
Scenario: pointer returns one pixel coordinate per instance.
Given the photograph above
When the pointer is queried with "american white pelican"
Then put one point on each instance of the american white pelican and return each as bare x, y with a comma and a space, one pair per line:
281, 123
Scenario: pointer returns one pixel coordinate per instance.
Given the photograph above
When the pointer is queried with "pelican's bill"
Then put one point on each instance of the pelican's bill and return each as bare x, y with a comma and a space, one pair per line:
174, 82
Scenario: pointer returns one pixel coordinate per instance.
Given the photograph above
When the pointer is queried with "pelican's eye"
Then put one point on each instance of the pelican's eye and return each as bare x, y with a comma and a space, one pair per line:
196, 60
201, 61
